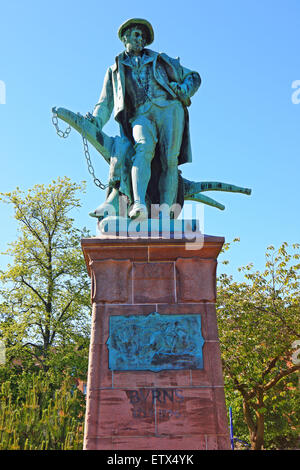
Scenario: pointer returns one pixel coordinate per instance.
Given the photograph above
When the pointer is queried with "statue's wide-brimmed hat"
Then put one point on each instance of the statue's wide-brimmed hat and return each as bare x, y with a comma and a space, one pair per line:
138, 22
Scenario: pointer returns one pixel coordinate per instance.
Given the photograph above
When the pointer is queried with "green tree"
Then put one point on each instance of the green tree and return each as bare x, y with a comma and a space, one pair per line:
45, 305
282, 413
259, 322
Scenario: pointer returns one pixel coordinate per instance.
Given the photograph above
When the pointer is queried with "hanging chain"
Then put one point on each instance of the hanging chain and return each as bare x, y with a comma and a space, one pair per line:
63, 134
89, 163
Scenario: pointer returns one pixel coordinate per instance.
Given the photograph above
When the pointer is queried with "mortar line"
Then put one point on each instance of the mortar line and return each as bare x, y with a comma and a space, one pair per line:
155, 417
175, 290
132, 282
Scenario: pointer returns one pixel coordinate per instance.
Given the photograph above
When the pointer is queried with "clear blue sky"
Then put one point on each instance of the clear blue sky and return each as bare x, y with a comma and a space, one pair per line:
244, 127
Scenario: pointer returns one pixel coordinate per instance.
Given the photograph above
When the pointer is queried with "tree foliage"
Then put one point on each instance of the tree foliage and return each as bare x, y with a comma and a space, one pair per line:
37, 413
44, 322
44, 292
259, 322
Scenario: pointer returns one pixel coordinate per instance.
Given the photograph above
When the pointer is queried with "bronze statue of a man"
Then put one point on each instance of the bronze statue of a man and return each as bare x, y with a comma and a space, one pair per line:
149, 93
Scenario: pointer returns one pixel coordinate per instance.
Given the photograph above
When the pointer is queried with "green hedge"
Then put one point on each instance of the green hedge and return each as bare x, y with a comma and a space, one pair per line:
44, 417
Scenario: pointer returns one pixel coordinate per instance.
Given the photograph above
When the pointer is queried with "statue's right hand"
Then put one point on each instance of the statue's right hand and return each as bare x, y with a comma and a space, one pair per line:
93, 119
89, 116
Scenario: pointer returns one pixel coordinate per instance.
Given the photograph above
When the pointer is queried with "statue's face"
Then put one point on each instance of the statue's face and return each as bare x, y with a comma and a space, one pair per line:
134, 40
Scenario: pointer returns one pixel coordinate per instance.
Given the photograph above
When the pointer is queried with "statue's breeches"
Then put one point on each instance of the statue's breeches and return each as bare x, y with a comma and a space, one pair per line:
162, 126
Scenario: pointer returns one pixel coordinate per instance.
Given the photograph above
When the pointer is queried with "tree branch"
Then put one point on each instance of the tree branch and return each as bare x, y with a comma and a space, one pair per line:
272, 364
34, 290
28, 225
247, 414
65, 309
239, 386
280, 376
34, 354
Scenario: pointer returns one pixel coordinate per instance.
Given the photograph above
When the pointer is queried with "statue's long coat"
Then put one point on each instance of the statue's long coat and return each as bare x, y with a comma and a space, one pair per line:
165, 70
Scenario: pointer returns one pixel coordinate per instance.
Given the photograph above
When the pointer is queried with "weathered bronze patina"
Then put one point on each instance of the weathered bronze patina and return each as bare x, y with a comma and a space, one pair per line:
149, 94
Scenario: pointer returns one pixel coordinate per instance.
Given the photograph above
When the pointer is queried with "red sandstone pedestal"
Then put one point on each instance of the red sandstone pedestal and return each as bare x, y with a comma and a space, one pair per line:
142, 409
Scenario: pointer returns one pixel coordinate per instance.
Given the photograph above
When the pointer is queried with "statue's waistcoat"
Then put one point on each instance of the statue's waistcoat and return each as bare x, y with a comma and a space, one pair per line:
141, 86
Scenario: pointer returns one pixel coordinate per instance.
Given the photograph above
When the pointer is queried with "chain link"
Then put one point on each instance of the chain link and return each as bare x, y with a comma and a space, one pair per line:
60, 133
64, 135
89, 163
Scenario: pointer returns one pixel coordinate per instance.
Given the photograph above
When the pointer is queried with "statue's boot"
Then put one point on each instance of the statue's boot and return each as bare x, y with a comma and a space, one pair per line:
110, 207
138, 210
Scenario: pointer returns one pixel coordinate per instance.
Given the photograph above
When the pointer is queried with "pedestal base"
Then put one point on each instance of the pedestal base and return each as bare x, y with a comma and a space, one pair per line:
155, 378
